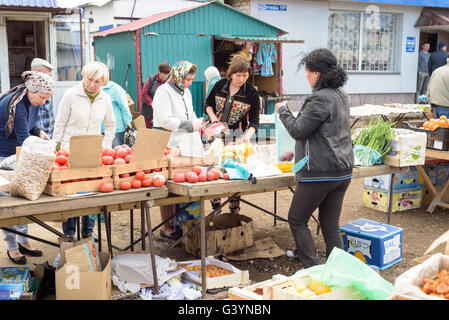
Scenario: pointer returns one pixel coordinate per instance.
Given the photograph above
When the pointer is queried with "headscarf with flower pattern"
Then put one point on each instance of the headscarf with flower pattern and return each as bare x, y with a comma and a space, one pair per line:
33, 81
178, 72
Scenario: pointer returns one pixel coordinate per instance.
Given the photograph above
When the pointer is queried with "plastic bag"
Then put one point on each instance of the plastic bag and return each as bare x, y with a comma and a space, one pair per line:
33, 168
343, 269
193, 211
130, 136
367, 156
235, 171
8, 163
285, 143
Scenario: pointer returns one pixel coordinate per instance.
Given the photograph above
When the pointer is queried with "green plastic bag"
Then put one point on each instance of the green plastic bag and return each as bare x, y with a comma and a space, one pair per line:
343, 269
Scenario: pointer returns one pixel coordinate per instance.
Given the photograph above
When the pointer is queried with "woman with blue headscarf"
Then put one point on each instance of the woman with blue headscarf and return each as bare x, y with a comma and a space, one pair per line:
173, 111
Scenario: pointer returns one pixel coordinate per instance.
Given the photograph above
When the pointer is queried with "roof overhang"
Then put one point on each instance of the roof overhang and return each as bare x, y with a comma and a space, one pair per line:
432, 19
257, 39
37, 9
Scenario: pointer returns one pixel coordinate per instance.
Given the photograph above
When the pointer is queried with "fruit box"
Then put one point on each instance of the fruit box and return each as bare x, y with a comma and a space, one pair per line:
74, 180
183, 164
404, 199
14, 281
436, 139
284, 289
408, 148
378, 245
407, 180
236, 278
437, 172
126, 172
252, 292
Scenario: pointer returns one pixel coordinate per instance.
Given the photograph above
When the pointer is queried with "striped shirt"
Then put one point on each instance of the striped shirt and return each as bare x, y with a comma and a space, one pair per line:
47, 117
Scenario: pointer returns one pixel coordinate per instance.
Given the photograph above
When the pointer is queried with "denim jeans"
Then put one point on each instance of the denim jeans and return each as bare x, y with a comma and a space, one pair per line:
439, 111
119, 139
11, 238
87, 227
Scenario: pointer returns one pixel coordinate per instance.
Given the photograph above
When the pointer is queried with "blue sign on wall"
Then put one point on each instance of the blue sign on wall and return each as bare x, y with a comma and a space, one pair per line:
410, 44
273, 7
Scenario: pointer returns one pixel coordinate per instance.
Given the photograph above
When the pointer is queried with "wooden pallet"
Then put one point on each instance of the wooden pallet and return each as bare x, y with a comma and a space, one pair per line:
63, 182
133, 167
183, 164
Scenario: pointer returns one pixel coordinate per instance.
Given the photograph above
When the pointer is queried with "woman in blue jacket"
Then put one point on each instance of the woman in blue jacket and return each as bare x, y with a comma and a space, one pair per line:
19, 118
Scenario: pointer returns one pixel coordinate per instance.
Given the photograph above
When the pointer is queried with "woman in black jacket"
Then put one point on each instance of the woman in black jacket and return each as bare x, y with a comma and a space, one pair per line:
322, 132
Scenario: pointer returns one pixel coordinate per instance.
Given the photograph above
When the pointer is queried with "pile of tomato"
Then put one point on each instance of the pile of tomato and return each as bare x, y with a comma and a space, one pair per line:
197, 175
119, 155
61, 161
433, 124
140, 180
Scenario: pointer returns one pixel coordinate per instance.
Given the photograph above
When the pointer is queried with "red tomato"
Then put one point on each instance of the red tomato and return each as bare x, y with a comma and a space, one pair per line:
62, 167
128, 158
135, 184
121, 153
128, 149
125, 185
210, 175
107, 160
158, 182
63, 152
179, 177
216, 172
148, 171
108, 152
140, 175
192, 178
119, 161
106, 187
202, 177
187, 173
117, 148
61, 159
196, 169
124, 175
124, 146
55, 167
157, 170
147, 182
226, 176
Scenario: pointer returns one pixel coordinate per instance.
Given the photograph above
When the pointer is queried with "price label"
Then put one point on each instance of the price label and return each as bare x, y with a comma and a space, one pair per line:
438, 145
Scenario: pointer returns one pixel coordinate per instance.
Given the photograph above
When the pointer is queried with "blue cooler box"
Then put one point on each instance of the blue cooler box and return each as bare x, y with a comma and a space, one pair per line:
378, 245
14, 281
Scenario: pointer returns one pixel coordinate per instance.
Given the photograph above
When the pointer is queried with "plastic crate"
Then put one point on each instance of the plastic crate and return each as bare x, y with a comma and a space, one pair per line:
436, 139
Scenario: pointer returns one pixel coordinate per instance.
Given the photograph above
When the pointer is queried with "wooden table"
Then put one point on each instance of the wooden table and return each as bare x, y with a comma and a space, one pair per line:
440, 197
233, 188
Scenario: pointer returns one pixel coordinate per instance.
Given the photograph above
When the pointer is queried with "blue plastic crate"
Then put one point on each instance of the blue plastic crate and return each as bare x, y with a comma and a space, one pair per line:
378, 245
14, 281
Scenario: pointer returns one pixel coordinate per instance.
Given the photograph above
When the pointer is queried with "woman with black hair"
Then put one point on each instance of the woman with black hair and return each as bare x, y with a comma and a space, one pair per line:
323, 134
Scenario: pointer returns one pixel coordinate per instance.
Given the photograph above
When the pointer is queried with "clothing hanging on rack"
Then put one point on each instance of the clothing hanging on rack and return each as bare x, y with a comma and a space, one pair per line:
266, 56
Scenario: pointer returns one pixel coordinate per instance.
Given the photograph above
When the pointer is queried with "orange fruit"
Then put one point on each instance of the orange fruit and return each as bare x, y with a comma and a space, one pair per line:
442, 123
443, 117
447, 123
425, 125
435, 126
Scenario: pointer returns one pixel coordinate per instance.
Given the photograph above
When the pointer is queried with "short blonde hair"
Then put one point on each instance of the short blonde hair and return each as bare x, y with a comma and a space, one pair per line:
96, 70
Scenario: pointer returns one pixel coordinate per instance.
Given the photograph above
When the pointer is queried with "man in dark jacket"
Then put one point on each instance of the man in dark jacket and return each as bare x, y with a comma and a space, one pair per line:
438, 58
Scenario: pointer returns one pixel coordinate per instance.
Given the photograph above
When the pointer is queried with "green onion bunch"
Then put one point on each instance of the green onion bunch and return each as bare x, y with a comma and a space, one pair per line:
377, 136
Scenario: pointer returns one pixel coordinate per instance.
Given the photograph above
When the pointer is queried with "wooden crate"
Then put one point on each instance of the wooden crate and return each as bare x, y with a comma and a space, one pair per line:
61, 182
183, 164
252, 292
133, 167
277, 291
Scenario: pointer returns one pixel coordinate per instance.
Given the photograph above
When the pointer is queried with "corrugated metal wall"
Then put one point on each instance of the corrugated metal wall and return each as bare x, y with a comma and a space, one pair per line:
117, 51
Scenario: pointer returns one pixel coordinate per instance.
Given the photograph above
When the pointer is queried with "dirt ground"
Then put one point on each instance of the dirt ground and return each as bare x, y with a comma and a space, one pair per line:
420, 229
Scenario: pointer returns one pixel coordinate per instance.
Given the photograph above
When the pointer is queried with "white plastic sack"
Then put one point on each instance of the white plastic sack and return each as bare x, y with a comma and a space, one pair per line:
409, 283
33, 168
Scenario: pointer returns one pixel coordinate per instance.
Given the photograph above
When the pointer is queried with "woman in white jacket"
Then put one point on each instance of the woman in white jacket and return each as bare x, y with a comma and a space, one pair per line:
81, 111
173, 111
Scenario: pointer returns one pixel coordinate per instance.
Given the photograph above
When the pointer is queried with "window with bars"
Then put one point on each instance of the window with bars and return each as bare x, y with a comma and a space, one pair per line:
363, 42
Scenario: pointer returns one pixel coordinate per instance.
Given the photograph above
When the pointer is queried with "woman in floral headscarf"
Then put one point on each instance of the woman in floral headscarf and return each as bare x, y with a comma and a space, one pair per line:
19, 118
173, 111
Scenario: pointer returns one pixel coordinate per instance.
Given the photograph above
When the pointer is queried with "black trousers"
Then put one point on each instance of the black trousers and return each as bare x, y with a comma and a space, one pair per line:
328, 198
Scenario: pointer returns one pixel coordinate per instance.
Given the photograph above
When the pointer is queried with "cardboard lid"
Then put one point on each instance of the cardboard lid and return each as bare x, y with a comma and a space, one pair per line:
139, 123
150, 144
85, 151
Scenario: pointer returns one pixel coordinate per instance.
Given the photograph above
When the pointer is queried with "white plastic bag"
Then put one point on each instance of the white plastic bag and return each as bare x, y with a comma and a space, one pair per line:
33, 168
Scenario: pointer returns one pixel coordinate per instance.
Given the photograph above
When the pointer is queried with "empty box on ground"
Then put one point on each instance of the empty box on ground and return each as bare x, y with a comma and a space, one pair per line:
14, 281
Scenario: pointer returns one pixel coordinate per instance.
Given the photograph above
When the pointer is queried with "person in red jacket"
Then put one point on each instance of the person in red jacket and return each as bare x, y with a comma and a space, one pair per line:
149, 89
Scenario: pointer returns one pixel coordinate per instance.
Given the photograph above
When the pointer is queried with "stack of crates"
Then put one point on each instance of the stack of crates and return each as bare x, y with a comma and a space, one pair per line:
407, 191
437, 172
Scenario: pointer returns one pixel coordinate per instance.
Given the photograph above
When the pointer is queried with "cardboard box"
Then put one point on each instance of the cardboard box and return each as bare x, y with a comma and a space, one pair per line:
378, 245
225, 233
236, 278
71, 285
407, 180
408, 149
252, 292
14, 281
379, 199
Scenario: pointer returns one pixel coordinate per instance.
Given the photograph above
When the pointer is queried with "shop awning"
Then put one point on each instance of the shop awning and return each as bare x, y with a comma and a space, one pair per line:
257, 39
433, 18
33, 5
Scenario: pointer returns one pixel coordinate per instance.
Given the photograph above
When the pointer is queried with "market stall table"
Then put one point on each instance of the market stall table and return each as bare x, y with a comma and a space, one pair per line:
233, 188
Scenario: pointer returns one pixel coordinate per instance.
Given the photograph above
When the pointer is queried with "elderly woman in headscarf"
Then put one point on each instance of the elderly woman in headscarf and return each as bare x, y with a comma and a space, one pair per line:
173, 111
19, 118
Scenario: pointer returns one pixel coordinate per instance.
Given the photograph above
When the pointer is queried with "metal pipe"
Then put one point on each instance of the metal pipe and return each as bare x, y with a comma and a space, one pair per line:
146, 206
46, 226
26, 235
81, 39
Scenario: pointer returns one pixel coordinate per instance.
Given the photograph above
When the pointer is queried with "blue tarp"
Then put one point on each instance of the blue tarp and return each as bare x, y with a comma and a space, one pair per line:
424, 3
29, 3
